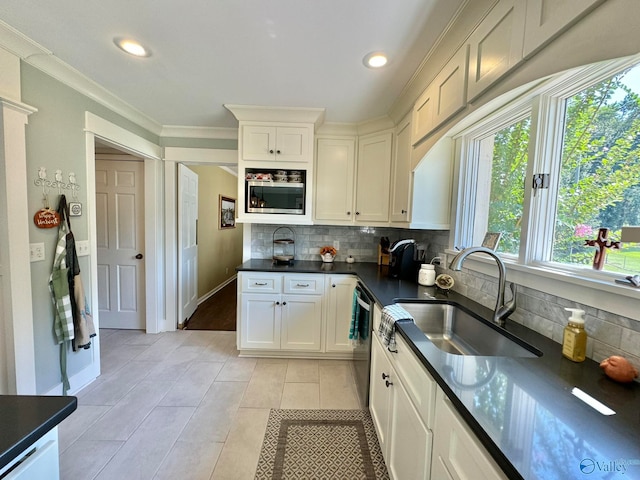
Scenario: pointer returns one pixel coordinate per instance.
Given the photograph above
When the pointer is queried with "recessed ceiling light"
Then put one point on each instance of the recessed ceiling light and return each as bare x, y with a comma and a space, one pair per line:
375, 60
132, 47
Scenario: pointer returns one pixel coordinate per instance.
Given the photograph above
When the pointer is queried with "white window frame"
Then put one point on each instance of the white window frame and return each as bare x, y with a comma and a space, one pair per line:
532, 267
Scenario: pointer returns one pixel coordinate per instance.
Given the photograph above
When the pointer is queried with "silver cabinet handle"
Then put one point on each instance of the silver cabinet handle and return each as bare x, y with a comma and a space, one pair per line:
302, 285
260, 284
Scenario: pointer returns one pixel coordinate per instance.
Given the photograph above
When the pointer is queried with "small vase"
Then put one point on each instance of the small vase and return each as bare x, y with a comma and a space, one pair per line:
327, 258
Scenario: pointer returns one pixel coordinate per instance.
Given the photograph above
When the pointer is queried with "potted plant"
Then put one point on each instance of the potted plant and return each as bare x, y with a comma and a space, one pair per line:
328, 254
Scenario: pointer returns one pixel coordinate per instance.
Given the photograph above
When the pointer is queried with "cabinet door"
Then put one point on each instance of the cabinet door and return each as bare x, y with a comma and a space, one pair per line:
380, 394
372, 186
335, 165
456, 449
292, 144
410, 440
258, 142
301, 322
496, 45
401, 173
548, 18
260, 321
339, 302
423, 117
451, 87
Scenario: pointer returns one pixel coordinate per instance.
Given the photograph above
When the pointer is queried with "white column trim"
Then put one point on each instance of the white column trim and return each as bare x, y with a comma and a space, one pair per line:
15, 268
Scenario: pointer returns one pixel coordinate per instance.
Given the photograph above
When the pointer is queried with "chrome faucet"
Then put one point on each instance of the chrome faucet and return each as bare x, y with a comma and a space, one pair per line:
502, 310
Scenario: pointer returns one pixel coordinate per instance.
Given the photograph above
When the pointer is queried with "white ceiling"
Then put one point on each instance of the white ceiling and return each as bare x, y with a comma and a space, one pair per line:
206, 53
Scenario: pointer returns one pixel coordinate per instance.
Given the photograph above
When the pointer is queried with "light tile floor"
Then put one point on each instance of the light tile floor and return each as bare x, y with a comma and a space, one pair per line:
183, 405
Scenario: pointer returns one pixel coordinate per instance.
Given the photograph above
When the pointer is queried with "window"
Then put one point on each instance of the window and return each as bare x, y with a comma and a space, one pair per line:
582, 130
599, 185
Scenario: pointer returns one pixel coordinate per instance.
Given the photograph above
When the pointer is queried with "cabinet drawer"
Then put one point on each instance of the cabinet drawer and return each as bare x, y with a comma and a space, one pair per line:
261, 282
416, 379
305, 284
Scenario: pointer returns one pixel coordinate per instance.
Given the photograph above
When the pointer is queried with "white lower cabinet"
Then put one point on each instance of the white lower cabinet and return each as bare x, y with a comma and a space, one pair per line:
404, 438
457, 453
421, 435
280, 321
38, 462
409, 439
338, 306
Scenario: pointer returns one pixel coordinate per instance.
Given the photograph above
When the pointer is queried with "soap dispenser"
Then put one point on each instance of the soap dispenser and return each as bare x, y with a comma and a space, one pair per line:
574, 338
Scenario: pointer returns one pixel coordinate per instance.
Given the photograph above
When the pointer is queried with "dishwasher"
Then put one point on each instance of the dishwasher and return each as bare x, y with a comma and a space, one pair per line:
363, 308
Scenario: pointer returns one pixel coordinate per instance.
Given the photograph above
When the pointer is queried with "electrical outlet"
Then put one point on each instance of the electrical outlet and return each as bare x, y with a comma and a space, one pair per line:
336, 244
82, 248
36, 252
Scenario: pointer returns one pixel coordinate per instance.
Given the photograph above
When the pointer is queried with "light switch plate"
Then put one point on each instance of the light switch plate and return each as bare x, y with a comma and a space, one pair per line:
82, 248
36, 252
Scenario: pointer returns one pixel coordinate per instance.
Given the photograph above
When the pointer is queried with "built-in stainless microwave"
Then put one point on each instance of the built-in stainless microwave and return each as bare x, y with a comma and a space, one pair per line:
275, 197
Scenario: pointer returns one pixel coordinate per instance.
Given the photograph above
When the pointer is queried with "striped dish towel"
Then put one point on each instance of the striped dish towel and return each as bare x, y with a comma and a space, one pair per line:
387, 331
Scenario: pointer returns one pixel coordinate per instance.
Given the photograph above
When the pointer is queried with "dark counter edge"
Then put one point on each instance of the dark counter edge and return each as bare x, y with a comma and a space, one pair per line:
387, 291
38, 432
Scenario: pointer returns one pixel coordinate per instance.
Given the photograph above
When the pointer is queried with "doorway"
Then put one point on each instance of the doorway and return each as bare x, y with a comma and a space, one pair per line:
219, 250
120, 238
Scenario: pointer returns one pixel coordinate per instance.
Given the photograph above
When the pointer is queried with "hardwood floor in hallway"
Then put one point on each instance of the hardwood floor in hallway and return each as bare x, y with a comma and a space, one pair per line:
218, 312
184, 405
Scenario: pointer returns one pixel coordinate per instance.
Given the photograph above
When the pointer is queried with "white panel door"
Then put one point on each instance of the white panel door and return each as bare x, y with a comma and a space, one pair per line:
187, 242
120, 241
339, 301
301, 322
372, 184
335, 165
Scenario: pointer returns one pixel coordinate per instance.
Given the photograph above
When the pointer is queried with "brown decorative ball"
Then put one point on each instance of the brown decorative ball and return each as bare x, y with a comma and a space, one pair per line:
619, 369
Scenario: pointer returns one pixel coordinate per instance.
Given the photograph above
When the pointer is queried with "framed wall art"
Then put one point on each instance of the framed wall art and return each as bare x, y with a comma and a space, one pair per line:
227, 209
491, 240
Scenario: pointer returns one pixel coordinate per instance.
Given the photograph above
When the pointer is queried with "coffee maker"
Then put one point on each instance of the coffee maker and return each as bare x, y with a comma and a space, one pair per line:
401, 262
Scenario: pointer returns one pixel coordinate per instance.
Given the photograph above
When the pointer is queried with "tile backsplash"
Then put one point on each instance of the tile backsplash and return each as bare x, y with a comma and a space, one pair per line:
609, 334
360, 242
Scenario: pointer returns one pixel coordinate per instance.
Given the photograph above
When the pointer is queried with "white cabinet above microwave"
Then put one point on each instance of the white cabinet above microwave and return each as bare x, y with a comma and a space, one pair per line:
277, 143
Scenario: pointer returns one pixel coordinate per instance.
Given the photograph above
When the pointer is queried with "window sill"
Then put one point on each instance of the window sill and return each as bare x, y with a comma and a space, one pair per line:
602, 294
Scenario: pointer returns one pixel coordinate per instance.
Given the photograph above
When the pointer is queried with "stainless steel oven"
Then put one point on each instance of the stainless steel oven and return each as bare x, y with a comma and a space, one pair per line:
363, 309
275, 197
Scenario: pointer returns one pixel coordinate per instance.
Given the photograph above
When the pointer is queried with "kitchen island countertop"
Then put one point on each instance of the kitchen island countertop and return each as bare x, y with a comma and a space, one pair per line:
521, 409
24, 419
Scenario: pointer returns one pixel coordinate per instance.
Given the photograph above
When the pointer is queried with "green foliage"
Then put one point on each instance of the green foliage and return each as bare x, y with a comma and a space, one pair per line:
600, 170
510, 157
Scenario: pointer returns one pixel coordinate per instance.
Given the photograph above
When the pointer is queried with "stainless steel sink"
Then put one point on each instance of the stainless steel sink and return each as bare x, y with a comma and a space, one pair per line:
453, 330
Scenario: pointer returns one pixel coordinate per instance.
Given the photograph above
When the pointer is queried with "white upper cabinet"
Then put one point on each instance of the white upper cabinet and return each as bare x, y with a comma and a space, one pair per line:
423, 119
548, 18
496, 45
443, 98
335, 168
372, 178
401, 173
277, 143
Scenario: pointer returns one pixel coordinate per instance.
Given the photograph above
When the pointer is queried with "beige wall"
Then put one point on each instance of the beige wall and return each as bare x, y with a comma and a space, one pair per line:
219, 251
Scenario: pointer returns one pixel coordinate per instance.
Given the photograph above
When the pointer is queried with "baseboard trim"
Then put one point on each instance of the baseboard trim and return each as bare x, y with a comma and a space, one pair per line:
77, 382
211, 293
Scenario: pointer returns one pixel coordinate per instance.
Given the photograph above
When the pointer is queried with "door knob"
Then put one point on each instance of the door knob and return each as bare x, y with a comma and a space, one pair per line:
384, 376
139, 256
388, 383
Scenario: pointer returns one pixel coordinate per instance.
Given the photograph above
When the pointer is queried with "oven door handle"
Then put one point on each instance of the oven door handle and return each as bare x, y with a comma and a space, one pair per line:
364, 305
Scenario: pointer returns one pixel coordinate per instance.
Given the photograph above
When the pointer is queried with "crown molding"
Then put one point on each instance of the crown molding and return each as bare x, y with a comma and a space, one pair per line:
256, 113
183, 131
44, 60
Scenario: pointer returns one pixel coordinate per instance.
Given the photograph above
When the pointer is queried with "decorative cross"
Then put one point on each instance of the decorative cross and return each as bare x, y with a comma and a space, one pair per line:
601, 243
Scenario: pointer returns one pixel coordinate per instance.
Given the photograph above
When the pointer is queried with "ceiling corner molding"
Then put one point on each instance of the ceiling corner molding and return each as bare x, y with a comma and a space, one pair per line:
212, 156
335, 128
180, 131
375, 125
256, 113
44, 60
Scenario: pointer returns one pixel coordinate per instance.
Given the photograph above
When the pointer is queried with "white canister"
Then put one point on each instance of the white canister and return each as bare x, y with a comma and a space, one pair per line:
427, 275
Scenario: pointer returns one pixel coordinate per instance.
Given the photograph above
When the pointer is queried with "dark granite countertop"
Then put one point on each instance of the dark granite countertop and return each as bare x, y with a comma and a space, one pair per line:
24, 419
521, 409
